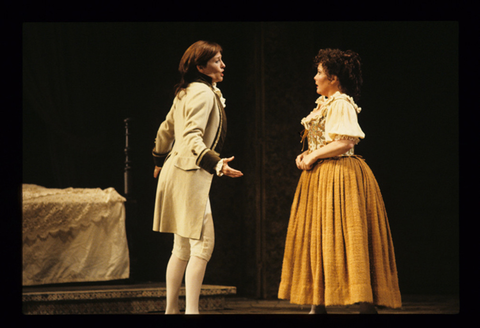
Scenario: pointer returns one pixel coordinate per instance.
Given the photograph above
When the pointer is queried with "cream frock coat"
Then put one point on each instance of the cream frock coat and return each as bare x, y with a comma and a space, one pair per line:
187, 139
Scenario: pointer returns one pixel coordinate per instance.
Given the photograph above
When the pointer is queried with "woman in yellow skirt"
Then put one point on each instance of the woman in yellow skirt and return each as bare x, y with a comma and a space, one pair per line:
339, 248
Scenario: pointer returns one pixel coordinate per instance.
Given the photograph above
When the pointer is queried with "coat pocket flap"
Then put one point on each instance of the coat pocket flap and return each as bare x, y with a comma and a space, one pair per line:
186, 163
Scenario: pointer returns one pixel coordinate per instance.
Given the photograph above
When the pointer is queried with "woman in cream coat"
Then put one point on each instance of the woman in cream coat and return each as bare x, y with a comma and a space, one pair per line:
187, 155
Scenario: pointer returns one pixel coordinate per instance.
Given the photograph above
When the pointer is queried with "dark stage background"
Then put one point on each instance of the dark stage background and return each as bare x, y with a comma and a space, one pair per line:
81, 80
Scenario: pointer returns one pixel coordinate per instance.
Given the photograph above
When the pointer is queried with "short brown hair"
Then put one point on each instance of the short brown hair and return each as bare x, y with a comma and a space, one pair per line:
198, 53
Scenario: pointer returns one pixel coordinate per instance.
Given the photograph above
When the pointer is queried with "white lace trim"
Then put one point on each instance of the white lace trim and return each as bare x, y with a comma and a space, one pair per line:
219, 167
323, 102
219, 93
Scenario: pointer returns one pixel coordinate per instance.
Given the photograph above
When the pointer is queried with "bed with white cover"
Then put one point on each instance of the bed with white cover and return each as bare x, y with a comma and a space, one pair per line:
73, 235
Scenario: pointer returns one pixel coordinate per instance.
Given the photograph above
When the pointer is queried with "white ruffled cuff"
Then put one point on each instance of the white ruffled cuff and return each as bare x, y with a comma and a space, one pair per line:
219, 167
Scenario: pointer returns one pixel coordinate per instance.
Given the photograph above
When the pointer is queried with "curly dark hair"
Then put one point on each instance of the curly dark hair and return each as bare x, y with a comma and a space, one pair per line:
345, 65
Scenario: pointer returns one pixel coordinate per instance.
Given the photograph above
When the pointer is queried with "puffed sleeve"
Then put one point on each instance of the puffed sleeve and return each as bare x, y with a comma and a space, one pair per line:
341, 122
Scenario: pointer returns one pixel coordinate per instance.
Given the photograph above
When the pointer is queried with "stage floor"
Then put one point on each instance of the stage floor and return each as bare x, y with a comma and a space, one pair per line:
228, 301
221, 300
412, 304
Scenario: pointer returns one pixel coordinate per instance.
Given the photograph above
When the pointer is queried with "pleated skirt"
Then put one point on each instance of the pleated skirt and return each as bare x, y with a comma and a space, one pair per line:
339, 248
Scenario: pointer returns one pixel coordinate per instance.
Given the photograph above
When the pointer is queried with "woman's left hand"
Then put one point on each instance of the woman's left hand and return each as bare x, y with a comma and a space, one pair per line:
308, 161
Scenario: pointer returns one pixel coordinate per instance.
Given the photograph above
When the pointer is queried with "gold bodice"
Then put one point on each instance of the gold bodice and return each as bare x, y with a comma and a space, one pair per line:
333, 119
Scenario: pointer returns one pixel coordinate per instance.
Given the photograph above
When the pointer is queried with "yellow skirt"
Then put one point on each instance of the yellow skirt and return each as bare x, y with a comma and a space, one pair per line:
339, 248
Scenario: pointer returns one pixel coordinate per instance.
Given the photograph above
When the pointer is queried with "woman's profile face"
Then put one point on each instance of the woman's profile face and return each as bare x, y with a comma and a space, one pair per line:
325, 86
321, 80
214, 68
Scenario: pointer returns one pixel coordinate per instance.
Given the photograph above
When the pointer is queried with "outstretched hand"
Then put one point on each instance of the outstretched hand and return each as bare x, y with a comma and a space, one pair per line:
228, 171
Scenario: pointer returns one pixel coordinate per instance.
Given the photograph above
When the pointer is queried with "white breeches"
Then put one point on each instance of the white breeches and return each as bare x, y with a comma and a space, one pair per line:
184, 248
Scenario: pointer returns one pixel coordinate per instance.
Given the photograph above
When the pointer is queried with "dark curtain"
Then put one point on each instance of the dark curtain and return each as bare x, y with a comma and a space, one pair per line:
63, 101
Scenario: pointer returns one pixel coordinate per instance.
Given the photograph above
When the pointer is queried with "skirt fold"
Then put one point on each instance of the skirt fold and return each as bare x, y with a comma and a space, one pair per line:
339, 249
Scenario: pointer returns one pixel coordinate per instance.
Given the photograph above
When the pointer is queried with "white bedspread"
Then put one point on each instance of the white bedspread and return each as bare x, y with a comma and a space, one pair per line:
73, 235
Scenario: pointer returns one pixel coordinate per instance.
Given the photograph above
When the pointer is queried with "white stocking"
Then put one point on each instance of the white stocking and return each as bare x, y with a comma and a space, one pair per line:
175, 271
193, 283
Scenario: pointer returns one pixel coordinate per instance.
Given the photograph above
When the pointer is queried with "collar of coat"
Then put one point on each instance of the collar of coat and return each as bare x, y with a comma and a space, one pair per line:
204, 79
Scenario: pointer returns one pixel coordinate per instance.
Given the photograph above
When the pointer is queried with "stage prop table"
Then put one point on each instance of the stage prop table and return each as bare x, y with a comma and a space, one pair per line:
73, 235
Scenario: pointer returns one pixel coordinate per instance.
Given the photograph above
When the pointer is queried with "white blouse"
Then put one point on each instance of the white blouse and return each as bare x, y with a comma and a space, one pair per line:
334, 118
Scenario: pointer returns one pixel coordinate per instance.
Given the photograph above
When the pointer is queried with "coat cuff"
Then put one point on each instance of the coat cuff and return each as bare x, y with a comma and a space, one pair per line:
208, 161
158, 159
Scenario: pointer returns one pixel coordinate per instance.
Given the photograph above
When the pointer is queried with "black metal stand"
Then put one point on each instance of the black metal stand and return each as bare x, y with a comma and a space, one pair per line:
131, 209
128, 186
